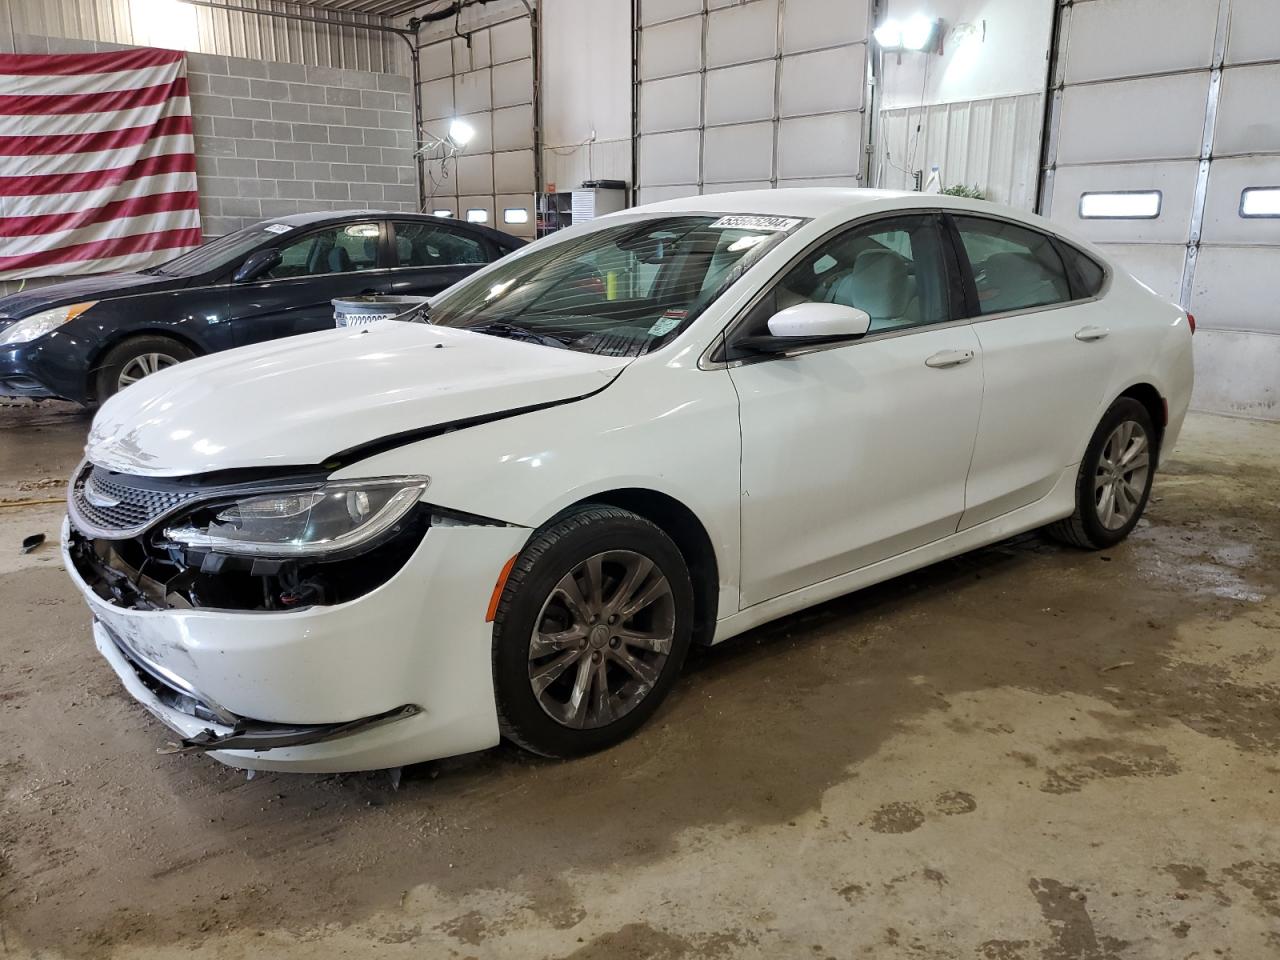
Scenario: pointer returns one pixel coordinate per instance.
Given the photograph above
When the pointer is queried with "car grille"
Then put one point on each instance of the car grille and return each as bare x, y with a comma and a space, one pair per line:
116, 506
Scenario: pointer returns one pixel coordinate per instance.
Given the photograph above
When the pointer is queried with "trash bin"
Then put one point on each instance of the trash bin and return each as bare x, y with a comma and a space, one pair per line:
358, 311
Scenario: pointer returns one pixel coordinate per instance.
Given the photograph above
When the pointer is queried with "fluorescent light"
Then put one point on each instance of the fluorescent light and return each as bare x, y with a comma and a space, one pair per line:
1120, 205
461, 132
515, 215
477, 215
442, 213
1260, 202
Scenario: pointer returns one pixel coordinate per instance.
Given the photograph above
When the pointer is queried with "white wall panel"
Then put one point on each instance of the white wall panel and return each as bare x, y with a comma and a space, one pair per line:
1149, 119
822, 82
1175, 179
435, 61
658, 194
513, 83
1235, 288
736, 186
740, 94
826, 146
471, 53
475, 173
669, 158
437, 99
674, 103
1248, 112
741, 33
743, 152
509, 41
1255, 31
1177, 35
513, 128
655, 11
812, 24
482, 123
1158, 265
670, 48
850, 182
1228, 177
471, 92
513, 171
1236, 373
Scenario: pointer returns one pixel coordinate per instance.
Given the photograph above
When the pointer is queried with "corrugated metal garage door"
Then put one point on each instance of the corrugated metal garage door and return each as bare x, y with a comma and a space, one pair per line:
1164, 111
488, 82
740, 95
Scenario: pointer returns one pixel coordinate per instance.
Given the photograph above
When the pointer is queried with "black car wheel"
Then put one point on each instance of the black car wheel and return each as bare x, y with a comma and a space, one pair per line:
128, 362
591, 631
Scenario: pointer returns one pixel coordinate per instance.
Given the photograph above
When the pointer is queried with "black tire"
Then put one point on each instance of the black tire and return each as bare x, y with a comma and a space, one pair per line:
106, 376
1085, 528
552, 554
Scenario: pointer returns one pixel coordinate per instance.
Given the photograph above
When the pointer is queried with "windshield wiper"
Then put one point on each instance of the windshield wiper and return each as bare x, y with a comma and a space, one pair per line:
500, 328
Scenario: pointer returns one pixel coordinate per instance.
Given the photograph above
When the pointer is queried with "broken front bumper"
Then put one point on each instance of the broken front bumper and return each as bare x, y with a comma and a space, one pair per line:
418, 641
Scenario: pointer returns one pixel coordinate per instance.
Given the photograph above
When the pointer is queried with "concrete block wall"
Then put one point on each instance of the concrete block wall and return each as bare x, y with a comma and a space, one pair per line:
279, 138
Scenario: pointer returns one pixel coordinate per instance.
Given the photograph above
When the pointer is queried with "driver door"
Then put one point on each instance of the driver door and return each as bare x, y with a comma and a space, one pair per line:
856, 452
296, 296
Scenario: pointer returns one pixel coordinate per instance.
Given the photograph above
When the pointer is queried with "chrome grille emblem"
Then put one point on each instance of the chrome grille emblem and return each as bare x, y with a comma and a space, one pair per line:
97, 497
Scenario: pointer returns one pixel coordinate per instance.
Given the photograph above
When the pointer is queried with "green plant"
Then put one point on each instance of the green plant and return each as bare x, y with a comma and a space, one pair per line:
961, 190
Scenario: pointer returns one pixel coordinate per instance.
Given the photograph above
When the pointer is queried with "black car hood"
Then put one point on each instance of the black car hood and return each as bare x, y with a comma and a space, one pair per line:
24, 304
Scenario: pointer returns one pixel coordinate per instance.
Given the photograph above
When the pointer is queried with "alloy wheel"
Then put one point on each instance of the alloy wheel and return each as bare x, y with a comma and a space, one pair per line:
602, 639
1121, 476
143, 365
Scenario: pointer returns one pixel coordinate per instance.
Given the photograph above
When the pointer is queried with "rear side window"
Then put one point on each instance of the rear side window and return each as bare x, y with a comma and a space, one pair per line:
1086, 273
421, 244
1014, 268
341, 249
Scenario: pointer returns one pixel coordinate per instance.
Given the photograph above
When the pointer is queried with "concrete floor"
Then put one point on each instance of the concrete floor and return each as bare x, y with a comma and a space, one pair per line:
1028, 752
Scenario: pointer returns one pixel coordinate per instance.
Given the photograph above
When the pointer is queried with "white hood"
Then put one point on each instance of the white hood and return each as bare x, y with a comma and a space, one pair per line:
299, 400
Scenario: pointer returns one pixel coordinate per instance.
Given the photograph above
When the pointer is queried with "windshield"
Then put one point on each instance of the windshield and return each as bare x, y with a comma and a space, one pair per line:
622, 290
223, 252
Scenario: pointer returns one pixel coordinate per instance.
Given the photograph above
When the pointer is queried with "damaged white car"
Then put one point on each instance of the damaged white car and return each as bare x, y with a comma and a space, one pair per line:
363, 548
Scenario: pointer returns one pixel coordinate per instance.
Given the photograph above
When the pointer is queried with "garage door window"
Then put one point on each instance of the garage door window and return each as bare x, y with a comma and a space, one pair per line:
344, 249
1013, 268
1260, 202
433, 245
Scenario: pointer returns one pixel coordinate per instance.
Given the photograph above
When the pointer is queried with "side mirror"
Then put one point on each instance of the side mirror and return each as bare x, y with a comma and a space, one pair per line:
819, 321
256, 264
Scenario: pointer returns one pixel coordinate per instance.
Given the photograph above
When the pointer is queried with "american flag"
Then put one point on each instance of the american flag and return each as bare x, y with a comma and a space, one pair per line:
97, 162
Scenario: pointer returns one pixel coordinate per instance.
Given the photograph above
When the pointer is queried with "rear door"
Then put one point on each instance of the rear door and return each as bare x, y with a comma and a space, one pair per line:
1047, 360
430, 255
296, 296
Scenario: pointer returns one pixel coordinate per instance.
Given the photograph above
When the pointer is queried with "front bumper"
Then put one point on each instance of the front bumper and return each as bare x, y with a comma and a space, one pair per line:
418, 640
22, 372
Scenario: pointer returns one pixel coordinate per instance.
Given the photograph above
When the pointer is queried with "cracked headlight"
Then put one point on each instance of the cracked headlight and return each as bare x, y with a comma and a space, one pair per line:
302, 522
38, 324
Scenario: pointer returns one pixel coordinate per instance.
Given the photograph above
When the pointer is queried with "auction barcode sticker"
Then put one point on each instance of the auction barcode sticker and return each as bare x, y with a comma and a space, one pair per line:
757, 223
277, 228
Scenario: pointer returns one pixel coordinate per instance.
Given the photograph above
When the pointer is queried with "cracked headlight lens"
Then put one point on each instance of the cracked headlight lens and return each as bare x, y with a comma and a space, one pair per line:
311, 522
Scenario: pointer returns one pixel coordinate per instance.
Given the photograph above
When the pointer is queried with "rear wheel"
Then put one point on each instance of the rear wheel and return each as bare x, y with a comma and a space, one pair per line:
591, 631
1114, 480
127, 363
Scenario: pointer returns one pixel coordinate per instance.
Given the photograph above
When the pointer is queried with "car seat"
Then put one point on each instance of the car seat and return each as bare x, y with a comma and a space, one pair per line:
880, 284
339, 260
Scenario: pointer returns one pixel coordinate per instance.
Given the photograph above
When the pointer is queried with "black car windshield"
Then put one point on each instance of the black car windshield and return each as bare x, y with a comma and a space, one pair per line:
620, 290
226, 251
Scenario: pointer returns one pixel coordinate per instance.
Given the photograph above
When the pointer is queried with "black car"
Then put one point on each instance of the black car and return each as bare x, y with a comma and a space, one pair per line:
85, 339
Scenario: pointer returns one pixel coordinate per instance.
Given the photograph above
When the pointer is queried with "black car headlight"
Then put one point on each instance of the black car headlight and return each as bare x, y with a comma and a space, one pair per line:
301, 521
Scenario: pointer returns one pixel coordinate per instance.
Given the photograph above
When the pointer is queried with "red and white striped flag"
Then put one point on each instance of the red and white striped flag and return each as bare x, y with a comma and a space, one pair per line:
97, 162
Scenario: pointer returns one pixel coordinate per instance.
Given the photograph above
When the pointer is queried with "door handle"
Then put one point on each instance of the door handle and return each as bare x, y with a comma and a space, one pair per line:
1089, 334
949, 358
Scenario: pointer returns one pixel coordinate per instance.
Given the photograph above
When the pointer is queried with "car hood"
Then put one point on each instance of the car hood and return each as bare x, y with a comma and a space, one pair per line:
301, 400
18, 305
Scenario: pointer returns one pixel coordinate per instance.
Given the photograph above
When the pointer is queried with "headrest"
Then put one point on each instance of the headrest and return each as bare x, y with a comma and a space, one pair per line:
339, 262
878, 283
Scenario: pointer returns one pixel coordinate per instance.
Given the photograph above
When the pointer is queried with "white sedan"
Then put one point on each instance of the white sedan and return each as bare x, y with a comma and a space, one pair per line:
360, 549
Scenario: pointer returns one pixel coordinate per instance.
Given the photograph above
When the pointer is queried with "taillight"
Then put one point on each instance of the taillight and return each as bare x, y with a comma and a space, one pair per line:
1191, 322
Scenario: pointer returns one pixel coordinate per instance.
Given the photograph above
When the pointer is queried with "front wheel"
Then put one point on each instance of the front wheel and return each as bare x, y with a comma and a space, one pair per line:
128, 362
590, 633
1114, 480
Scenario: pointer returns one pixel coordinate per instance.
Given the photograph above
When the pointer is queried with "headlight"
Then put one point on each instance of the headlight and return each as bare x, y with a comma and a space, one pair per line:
38, 324
304, 521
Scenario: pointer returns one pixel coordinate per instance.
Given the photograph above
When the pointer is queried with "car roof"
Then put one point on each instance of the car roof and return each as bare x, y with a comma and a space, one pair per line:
327, 216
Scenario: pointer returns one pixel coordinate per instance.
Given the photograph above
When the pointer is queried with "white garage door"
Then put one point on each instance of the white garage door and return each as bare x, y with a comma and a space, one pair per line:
485, 79
739, 95
1164, 146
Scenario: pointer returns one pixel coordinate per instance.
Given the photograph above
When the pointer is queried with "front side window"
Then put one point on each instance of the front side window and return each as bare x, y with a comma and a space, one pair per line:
342, 249
1014, 268
421, 244
621, 290
893, 269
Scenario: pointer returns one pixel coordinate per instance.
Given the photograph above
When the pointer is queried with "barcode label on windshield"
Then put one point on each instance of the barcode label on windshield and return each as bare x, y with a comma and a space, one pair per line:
757, 223
277, 228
